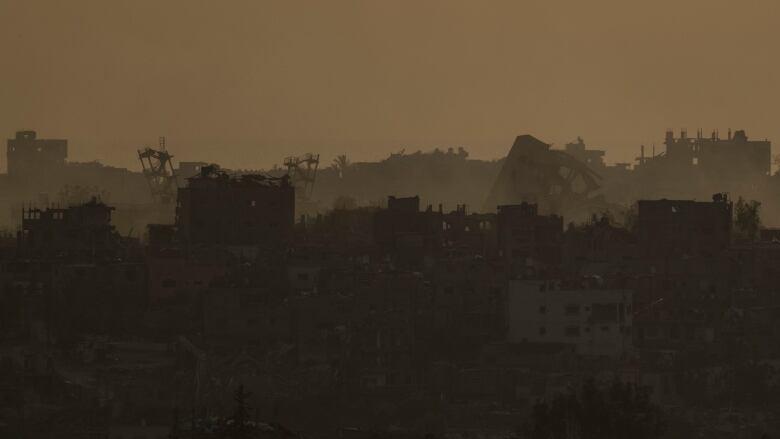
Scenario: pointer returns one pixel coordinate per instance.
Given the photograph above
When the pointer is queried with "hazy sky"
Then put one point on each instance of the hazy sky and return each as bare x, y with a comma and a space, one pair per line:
245, 83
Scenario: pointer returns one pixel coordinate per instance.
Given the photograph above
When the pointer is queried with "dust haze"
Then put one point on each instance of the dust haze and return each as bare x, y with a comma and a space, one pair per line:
389, 220
250, 81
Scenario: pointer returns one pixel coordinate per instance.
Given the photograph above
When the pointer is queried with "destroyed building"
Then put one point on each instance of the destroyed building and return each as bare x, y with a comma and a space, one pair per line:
79, 230
554, 180
593, 158
690, 167
470, 233
399, 315
216, 208
734, 157
39, 172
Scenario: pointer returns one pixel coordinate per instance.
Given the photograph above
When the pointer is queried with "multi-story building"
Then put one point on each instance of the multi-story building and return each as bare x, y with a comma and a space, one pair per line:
216, 208
596, 320
529, 243
406, 232
83, 229
669, 228
735, 156
27, 154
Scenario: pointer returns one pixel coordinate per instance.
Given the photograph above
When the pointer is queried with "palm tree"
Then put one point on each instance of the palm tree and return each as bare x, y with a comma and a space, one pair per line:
341, 163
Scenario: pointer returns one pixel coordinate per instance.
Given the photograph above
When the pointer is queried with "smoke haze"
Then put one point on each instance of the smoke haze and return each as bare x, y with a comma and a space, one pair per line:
247, 82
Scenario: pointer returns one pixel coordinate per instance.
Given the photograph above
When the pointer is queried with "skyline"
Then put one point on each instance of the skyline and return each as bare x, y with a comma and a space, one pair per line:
242, 86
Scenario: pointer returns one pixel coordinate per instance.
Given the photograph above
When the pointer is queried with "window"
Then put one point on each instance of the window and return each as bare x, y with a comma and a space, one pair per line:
518, 253
303, 276
604, 312
572, 331
542, 330
542, 309
572, 310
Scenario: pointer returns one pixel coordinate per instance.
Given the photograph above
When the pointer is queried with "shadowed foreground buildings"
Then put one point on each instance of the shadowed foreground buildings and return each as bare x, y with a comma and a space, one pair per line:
673, 227
397, 319
426, 308
82, 229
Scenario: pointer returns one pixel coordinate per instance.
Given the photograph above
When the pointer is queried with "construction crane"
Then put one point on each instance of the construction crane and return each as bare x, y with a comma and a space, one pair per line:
160, 174
302, 171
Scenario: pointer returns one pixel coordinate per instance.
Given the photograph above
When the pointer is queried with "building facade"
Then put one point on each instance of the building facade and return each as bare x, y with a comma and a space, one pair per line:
597, 321
216, 208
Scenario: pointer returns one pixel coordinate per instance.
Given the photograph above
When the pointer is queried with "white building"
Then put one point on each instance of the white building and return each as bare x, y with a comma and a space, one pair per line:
596, 320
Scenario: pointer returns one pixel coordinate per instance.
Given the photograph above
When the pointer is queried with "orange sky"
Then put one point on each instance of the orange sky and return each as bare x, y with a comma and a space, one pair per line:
245, 83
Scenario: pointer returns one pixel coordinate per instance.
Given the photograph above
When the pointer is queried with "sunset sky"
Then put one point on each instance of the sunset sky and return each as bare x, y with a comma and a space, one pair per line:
244, 83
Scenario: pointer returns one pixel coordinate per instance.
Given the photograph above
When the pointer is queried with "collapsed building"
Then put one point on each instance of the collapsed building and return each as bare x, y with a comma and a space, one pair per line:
554, 180
575, 182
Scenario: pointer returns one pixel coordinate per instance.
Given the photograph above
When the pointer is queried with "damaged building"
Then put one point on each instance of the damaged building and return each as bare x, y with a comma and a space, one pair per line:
80, 230
554, 180
216, 208
405, 318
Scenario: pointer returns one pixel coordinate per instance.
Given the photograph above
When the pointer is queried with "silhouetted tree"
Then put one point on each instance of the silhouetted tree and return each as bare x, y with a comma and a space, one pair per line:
340, 164
622, 411
239, 427
747, 219
630, 216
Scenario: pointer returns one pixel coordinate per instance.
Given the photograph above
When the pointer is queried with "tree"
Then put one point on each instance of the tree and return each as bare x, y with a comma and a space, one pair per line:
747, 219
341, 163
622, 411
630, 216
239, 426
